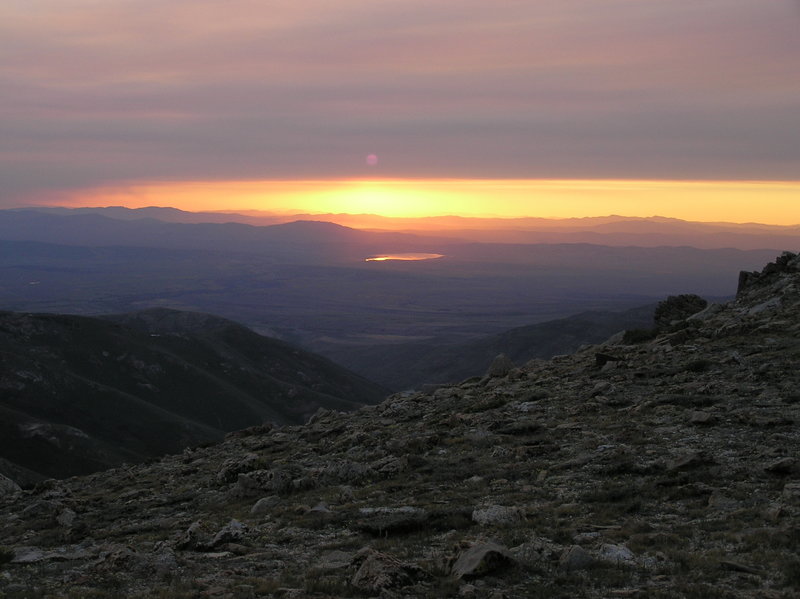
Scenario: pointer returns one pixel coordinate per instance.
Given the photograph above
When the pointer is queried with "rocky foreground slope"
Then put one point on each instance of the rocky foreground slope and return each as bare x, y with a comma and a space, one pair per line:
667, 468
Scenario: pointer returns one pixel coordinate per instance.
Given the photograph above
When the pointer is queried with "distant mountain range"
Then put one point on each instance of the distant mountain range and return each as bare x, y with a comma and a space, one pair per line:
606, 230
81, 394
292, 242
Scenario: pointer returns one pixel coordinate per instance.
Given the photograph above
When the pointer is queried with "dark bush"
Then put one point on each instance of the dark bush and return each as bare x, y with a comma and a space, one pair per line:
678, 307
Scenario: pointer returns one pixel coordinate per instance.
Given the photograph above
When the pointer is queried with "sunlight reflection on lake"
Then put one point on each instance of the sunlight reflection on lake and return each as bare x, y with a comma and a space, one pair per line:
403, 256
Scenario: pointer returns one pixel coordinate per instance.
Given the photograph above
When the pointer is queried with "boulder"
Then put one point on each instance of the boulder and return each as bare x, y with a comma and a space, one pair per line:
481, 559
576, 558
232, 532
500, 366
8, 486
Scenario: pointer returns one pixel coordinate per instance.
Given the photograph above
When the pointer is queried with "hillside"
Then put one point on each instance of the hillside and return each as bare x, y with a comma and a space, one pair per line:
412, 365
82, 394
663, 469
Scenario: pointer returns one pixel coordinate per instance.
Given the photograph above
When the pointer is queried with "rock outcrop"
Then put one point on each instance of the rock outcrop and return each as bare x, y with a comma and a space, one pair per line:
668, 471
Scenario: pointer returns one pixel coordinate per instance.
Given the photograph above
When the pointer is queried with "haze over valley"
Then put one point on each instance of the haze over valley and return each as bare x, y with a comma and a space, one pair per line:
312, 283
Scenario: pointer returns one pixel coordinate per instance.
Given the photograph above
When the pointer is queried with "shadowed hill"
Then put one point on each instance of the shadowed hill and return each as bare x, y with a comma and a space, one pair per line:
409, 366
81, 394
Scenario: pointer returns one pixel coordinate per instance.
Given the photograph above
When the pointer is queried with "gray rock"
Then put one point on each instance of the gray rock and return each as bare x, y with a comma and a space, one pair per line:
8, 486
232, 532
264, 505
601, 388
687, 461
701, 417
385, 520
165, 564
616, 554
576, 558
791, 492
193, 538
28, 555
782, 466
500, 366
321, 508
498, 515
66, 518
335, 560
481, 559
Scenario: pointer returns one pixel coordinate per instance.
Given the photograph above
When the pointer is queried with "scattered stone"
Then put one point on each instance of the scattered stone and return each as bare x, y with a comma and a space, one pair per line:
498, 515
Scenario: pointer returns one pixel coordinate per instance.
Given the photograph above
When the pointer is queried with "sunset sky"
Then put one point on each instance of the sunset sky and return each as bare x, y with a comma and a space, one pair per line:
685, 108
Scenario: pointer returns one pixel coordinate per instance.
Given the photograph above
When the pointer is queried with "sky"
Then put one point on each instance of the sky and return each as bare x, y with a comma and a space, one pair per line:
405, 106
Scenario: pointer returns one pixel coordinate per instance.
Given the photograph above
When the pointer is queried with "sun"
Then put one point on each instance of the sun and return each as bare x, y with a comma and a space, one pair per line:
385, 198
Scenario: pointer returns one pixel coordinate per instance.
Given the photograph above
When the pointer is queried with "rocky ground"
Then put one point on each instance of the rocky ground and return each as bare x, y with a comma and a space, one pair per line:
663, 468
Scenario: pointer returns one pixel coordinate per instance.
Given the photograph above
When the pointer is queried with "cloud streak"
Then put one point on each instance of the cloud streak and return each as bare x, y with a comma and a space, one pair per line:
97, 92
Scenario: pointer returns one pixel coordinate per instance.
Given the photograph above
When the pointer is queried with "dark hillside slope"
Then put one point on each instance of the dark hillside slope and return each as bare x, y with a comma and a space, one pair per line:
671, 471
409, 366
80, 394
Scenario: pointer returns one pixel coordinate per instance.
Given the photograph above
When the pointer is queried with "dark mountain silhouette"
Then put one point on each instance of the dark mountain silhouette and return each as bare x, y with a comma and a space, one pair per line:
296, 242
611, 230
81, 394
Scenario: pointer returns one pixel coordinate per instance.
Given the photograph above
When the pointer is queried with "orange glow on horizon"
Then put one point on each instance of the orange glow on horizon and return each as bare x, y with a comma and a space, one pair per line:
767, 202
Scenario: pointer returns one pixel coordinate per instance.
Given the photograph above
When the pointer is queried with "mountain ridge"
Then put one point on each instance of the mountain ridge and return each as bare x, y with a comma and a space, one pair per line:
82, 393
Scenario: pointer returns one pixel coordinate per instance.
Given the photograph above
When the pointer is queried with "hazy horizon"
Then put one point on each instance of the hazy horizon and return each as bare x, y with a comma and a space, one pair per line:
377, 221
406, 108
